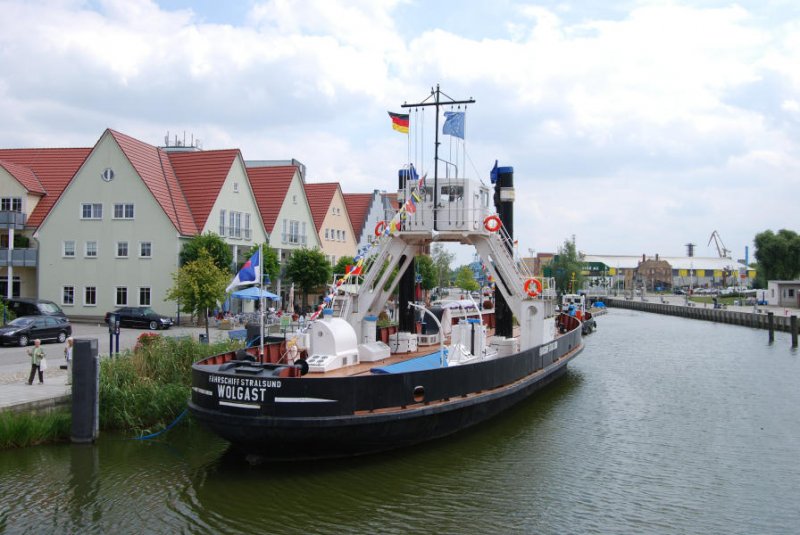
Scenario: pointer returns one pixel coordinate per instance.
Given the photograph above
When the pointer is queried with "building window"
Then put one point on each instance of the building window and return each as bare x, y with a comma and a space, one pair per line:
122, 249
145, 249
237, 226
122, 296
144, 297
327, 234
11, 204
344, 235
90, 296
222, 222
231, 222
236, 187
294, 199
91, 249
247, 226
91, 211
69, 248
123, 211
68, 295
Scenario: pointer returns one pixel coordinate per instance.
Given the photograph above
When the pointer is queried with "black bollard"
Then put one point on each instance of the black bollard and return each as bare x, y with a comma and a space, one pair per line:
771, 326
85, 391
793, 323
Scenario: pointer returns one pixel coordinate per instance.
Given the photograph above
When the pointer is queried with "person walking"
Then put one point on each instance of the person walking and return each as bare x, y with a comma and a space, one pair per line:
68, 356
37, 356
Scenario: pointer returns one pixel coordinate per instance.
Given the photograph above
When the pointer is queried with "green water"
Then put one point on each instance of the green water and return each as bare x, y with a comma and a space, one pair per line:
662, 425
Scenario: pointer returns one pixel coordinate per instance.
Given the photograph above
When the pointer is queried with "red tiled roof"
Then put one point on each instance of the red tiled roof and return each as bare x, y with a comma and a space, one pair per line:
358, 205
153, 165
201, 176
270, 186
320, 197
54, 168
392, 198
25, 176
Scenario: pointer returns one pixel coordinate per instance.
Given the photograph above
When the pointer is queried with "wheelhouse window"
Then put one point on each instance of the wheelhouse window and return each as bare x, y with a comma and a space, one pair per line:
122, 296
68, 295
90, 296
123, 211
91, 211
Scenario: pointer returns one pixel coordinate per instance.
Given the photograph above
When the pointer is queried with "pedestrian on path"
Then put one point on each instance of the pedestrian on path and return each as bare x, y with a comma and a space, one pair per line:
68, 356
37, 356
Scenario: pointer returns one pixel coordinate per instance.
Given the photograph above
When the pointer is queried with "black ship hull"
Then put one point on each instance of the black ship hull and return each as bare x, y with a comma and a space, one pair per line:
320, 417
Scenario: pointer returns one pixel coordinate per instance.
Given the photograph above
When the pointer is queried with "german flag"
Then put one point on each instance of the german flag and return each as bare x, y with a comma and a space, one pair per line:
399, 121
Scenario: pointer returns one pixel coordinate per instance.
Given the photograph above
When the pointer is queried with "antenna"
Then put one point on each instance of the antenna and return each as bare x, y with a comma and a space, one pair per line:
690, 249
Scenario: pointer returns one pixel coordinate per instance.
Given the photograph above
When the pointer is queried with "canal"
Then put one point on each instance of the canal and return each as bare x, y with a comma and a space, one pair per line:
662, 425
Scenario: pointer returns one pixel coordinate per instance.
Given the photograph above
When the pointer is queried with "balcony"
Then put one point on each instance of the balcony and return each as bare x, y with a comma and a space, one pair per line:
19, 257
12, 219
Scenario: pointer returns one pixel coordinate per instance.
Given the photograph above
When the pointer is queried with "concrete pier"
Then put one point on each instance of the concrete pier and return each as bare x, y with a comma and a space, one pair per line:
718, 315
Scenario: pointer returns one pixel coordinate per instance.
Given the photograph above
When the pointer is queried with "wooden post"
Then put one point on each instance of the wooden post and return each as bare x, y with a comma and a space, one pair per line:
793, 323
771, 326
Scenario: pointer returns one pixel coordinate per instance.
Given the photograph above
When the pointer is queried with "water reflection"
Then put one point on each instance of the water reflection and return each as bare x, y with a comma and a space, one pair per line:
661, 425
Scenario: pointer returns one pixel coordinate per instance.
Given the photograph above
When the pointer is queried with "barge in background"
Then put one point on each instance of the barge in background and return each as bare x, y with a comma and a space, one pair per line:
333, 390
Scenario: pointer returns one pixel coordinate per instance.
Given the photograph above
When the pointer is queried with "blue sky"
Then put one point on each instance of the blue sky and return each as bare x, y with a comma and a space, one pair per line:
636, 126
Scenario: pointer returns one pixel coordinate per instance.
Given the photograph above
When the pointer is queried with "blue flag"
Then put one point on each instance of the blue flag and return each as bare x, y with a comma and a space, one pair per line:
248, 274
453, 124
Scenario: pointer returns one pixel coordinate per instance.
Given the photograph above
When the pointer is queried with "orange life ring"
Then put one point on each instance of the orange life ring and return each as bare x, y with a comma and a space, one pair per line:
533, 292
379, 228
492, 223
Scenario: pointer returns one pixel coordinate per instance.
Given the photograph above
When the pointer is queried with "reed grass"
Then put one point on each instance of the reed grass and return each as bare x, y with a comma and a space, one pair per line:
150, 386
21, 429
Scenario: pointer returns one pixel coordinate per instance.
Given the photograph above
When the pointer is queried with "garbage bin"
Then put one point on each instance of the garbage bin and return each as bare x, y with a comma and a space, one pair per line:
203, 339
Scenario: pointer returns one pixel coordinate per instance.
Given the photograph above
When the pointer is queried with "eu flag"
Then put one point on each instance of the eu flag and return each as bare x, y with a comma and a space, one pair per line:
453, 124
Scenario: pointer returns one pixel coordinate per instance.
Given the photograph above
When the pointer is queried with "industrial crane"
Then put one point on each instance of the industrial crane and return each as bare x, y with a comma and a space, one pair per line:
721, 250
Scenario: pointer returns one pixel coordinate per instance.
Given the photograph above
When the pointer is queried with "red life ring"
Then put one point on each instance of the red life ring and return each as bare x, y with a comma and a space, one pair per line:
533, 292
492, 223
379, 228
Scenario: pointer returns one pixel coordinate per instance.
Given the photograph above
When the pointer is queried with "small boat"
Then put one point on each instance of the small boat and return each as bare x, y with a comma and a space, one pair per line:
575, 305
334, 389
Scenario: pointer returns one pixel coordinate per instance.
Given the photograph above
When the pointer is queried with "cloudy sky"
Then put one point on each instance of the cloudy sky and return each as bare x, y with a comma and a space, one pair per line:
637, 128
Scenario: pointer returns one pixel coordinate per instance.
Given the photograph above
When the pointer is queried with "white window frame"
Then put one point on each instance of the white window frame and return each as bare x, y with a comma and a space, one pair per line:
11, 204
95, 211
124, 294
64, 250
222, 222
141, 244
123, 206
67, 288
119, 245
145, 290
86, 249
86, 291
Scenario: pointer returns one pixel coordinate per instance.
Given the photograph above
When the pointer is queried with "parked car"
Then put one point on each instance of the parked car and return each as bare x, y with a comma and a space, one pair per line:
25, 329
25, 306
144, 317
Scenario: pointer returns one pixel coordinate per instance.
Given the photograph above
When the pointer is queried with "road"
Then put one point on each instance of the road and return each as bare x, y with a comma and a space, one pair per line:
15, 362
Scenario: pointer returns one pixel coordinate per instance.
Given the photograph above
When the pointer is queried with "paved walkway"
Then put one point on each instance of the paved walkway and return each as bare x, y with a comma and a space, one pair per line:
16, 394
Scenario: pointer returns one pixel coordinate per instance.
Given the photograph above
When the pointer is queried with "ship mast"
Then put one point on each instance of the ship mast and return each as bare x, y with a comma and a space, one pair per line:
436, 94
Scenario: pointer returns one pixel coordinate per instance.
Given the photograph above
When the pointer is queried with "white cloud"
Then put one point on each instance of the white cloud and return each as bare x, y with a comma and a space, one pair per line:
655, 123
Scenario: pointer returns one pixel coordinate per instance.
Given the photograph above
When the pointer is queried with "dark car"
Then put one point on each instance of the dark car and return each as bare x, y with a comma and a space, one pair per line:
25, 329
144, 317
26, 306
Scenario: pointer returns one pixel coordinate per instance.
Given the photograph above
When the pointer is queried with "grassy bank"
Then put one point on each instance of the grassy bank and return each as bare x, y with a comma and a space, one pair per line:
140, 391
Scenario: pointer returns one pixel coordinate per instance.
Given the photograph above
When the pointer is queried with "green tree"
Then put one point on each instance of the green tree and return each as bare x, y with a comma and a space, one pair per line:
216, 247
271, 264
465, 279
426, 268
198, 286
308, 269
441, 262
566, 265
778, 255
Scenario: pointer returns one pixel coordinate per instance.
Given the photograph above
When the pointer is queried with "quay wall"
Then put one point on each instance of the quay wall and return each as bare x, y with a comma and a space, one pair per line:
718, 315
